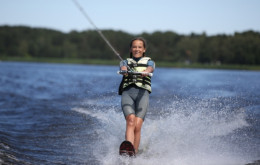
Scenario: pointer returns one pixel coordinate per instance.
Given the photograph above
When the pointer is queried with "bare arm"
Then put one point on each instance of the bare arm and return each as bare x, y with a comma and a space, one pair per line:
123, 68
149, 69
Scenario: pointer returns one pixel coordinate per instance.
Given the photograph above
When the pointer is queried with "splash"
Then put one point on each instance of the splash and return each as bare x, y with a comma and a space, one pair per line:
183, 135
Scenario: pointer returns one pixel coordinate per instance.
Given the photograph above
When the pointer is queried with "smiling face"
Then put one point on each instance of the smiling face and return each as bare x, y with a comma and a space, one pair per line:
137, 49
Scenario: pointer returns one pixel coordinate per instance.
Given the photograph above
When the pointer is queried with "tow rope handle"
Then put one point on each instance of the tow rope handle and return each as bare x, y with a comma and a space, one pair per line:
133, 72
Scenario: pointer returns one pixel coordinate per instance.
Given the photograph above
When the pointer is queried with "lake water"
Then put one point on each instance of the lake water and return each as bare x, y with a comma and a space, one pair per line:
71, 114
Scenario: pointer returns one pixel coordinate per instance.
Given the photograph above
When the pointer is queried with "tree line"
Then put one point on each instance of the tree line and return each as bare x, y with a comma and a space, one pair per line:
238, 48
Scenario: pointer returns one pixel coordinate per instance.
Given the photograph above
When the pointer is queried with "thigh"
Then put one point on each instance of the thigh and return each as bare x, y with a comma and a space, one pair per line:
142, 103
127, 103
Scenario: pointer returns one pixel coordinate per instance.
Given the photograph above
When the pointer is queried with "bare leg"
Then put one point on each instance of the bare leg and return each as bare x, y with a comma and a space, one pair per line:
130, 128
138, 126
133, 130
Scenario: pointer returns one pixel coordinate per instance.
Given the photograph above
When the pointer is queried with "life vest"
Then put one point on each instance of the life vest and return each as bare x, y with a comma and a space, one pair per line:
138, 80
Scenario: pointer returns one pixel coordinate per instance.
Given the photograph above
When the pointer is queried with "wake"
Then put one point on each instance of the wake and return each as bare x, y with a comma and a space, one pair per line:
190, 134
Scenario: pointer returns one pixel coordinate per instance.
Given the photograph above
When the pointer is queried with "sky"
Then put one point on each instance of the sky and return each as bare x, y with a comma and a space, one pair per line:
136, 16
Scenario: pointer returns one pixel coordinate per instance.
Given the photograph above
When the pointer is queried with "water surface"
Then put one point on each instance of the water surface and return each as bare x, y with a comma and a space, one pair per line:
70, 114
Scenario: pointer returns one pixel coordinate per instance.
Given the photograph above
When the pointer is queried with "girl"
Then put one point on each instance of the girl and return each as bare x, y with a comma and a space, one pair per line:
135, 90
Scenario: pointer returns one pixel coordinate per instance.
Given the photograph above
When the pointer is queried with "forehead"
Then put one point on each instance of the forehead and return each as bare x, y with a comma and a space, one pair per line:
138, 42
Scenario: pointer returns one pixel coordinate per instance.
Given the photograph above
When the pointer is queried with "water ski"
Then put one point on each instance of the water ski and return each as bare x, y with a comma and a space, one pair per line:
127, 149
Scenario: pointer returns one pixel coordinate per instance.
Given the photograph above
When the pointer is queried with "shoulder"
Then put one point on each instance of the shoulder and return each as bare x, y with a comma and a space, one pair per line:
151, 63
123, 63
146, 58
149, 59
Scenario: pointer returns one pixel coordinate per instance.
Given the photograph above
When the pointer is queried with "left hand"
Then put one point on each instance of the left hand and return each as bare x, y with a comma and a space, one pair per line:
147, 71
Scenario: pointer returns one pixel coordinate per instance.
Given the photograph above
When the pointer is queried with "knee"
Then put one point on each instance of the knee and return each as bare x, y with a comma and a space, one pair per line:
138, 128
130, 121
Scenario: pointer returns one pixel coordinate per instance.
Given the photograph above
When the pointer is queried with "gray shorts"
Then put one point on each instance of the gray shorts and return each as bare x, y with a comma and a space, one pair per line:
135, 100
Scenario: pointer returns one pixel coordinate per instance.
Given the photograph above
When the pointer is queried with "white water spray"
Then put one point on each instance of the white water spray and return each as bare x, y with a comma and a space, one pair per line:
184, 137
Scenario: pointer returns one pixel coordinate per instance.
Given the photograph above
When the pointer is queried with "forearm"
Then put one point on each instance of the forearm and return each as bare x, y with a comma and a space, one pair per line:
149, 69
123, 68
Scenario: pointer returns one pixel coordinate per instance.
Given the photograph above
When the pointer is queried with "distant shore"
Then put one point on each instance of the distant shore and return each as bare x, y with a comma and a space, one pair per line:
116, 62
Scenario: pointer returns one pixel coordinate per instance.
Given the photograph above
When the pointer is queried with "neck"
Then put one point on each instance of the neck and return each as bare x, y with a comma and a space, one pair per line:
137, 59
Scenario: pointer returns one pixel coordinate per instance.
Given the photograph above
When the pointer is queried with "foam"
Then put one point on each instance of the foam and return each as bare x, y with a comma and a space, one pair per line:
187, 135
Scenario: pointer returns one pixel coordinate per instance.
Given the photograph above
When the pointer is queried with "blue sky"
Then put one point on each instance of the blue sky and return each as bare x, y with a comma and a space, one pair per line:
136, 16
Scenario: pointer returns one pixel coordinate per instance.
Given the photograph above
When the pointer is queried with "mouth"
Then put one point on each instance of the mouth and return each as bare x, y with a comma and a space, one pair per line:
138, 52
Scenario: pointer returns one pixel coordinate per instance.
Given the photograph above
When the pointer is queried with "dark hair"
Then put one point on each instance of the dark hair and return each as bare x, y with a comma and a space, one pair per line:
137, 38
